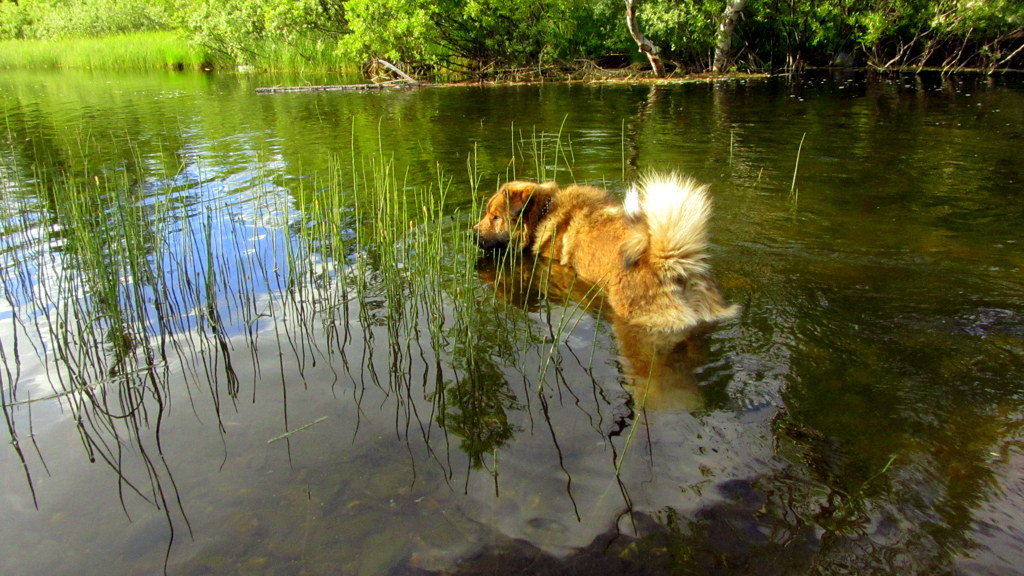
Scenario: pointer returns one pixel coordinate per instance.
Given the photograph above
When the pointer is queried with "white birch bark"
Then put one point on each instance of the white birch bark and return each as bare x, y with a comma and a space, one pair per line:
723, 39
649, 49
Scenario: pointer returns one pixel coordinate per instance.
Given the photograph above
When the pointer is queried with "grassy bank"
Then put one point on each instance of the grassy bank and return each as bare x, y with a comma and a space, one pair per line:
139, 51
161, 50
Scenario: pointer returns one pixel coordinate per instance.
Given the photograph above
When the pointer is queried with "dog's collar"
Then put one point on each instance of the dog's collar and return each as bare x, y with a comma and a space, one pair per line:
546, 207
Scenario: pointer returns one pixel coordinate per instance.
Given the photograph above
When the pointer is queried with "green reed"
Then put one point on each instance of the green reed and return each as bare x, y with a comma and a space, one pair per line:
139, 50
544, 150
122, 294
132, 269
794, 193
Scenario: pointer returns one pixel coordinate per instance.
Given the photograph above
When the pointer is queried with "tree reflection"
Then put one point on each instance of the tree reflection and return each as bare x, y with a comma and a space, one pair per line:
476, 405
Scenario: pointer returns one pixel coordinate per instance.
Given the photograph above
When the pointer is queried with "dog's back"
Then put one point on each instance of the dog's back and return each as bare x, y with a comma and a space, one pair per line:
583, 229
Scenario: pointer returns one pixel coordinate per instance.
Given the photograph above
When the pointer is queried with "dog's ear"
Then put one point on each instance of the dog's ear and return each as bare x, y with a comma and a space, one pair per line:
520, 194
517, 195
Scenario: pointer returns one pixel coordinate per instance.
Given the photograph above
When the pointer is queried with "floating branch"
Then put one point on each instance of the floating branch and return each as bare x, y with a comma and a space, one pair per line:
333, 88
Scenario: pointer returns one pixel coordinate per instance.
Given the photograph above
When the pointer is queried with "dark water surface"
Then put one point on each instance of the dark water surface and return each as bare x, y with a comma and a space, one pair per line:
222, 353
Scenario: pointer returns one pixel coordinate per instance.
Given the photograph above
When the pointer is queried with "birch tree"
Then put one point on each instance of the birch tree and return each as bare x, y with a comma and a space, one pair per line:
649, 49
723, 39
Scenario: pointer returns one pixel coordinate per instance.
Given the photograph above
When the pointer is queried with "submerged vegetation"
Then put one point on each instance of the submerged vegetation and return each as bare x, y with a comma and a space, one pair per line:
503, 38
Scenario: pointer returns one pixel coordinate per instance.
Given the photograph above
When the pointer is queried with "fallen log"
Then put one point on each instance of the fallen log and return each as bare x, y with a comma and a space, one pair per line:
334, 87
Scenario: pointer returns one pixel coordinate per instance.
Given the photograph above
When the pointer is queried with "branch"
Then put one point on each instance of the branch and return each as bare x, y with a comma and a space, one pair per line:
649, 49
395, 69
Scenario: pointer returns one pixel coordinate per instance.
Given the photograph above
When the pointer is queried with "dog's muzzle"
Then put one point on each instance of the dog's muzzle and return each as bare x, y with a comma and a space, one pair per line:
492, 241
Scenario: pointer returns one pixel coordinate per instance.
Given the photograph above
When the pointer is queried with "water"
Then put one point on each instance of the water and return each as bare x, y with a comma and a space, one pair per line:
223, 354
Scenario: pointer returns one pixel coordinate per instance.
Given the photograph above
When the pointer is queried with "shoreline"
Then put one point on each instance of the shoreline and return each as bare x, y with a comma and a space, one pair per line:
169, 52
634, 77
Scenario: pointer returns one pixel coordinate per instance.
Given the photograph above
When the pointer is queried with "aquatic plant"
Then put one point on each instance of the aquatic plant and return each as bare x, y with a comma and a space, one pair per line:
132, 287
794, 194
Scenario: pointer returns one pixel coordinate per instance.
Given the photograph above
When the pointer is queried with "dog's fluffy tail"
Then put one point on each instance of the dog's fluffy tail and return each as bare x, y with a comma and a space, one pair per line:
671, 214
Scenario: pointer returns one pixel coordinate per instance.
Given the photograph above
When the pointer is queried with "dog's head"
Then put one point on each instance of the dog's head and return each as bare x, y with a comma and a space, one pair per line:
512, 213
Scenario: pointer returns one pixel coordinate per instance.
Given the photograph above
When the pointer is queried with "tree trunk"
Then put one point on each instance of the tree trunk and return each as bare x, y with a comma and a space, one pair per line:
723, 40
652, 52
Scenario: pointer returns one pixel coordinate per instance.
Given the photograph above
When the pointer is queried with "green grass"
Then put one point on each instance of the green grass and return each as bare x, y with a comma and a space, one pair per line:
138, 51
163, 50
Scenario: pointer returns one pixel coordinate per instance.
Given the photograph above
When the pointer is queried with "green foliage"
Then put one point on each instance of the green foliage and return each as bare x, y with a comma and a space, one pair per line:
14, 20
232, 28
793, 33
685, 31
477, 35
946, 32
881, 22
252, 31
400, 30
498, 31
514, 33
988, 18
82, 18
885, 33
491, 37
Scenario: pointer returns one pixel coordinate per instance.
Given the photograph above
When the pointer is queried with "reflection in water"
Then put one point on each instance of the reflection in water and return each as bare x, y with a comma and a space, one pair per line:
283, 365
660, 367
657, 366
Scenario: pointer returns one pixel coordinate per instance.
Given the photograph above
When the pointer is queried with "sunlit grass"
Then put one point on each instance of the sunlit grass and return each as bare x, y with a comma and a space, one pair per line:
138, 51
164, 50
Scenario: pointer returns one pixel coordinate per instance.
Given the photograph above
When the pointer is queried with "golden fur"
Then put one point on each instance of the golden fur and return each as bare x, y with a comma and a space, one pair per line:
647, 253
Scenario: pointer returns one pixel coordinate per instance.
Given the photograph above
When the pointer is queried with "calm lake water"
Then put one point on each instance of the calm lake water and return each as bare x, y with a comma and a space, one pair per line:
250, 334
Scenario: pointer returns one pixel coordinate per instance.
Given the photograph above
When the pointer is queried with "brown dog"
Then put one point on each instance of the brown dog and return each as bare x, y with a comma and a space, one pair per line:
648, 253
